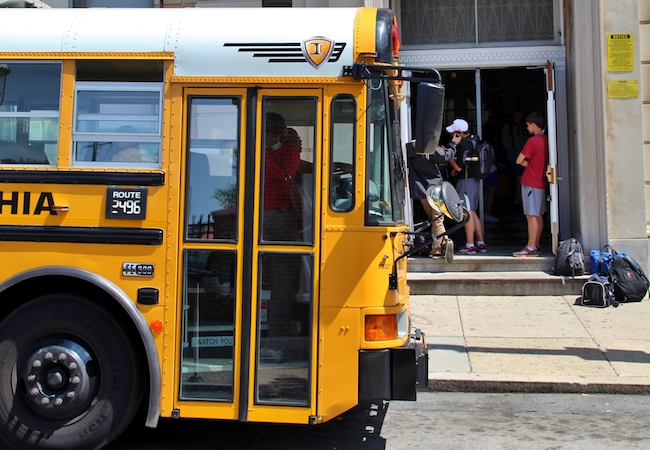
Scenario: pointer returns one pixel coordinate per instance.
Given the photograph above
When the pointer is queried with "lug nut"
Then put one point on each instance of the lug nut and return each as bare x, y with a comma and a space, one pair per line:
62, 357
34, 392
75, 380
31, 378
58, 401
48, 356
70, 394
36, 364
72, 366
45, 401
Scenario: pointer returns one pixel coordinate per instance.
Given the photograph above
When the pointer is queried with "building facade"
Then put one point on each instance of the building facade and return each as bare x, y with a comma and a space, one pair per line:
500, 56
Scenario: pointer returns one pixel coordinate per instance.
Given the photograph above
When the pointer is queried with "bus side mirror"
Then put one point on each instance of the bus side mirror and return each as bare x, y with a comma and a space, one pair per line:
428, 120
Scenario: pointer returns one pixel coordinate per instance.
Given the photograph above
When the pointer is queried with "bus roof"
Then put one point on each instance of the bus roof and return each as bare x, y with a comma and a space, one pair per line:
243, 42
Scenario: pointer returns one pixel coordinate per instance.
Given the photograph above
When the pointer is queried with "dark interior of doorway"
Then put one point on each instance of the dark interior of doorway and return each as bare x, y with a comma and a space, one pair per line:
502, 92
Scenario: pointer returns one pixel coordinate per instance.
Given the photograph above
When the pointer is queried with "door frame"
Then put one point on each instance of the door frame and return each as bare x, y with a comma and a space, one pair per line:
516, 57
243, 406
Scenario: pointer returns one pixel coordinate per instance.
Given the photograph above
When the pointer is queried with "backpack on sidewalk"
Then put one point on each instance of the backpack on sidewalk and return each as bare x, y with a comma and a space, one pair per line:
601, 260
478, 159
569, 258
598, 292
629, 280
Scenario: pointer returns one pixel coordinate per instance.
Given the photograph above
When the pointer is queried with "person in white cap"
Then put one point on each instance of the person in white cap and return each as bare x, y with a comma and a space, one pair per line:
461, 140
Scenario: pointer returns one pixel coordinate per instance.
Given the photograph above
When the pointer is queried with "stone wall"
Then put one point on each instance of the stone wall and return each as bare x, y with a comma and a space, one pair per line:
627, 129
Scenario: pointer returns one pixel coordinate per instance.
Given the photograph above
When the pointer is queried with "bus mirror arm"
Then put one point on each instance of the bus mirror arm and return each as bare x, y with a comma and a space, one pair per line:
392, 277
365, 71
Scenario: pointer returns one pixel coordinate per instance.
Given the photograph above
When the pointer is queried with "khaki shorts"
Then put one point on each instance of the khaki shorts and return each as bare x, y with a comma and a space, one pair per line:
534, 200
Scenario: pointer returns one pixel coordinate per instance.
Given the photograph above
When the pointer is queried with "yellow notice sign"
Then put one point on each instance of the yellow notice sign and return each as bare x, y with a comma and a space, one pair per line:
620, 52
623, 89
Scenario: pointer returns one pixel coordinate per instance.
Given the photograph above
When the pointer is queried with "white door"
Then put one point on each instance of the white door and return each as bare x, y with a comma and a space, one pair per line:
551, 171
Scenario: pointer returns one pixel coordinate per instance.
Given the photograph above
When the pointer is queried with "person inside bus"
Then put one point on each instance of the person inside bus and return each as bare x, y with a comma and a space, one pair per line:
292, 139
124, 151
281, 162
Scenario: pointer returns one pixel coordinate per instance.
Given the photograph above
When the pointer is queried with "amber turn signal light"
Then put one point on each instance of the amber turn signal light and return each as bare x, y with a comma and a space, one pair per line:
381, 328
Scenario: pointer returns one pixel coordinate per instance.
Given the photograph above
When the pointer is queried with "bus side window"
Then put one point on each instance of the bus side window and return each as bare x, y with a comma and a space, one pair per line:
211, 183
29, 112
117, 123
342, 153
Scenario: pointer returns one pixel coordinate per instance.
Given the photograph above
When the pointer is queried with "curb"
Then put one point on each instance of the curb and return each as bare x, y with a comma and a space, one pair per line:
540, 387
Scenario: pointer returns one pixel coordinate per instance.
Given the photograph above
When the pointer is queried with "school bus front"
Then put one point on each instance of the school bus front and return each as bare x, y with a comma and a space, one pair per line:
206, 223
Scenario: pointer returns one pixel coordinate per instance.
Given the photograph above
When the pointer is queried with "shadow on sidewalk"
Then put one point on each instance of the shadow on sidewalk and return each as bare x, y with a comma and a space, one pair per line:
589, 354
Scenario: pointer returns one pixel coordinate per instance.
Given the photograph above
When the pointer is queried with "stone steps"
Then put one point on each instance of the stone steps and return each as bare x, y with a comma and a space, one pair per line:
489, 275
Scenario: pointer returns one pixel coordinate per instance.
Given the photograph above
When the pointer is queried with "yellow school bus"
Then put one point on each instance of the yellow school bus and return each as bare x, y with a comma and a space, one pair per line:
202, 215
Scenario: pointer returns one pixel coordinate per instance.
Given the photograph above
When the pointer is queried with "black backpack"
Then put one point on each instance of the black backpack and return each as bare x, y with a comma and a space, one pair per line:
569, 259
630, 283
478, 159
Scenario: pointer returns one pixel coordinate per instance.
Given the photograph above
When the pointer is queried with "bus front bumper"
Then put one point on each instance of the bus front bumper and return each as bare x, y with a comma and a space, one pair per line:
394, 373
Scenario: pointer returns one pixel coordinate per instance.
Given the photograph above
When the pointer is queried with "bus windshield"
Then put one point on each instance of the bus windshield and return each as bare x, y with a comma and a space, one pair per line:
385, 189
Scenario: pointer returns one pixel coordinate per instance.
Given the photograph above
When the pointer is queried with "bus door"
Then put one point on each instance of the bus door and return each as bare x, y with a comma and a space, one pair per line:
248, 301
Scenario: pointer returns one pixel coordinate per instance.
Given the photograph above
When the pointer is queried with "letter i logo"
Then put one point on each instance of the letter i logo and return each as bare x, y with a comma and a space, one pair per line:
317, 50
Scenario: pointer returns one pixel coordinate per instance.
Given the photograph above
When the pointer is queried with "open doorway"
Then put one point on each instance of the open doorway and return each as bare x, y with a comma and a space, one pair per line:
503, 94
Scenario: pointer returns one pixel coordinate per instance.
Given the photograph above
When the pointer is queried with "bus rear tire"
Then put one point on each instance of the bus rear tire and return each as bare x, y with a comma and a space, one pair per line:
69, 378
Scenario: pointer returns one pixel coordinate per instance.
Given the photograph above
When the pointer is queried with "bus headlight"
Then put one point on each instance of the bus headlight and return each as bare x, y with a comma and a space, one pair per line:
381, 327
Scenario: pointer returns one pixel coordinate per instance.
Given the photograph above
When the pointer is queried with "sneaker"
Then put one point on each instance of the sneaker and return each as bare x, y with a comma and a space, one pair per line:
481, 247
449, 251
525, 253
490, 219
467, 250
212, 284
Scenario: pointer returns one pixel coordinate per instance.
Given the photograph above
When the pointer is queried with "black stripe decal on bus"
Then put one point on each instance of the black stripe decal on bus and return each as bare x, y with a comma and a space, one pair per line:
78, 177
82, 235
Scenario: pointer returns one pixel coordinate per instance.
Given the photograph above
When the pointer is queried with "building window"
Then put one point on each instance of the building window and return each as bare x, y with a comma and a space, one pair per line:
431, 23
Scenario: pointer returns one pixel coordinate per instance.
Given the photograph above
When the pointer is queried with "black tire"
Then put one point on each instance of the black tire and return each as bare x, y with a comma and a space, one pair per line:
69, 378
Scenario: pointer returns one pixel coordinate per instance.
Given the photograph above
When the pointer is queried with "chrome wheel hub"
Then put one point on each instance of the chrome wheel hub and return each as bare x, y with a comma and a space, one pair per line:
60, 379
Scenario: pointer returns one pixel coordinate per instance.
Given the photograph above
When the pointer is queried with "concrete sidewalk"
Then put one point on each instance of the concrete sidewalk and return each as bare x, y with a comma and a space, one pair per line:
534, 344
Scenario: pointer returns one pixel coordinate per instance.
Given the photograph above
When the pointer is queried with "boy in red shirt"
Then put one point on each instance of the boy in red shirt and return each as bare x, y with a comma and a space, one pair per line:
534, 158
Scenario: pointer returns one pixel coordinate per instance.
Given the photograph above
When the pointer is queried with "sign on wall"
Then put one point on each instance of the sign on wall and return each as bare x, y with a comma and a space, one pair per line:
623, 89
620, 52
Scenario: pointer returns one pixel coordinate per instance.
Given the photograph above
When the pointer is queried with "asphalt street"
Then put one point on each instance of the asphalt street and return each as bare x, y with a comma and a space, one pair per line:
438, 420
